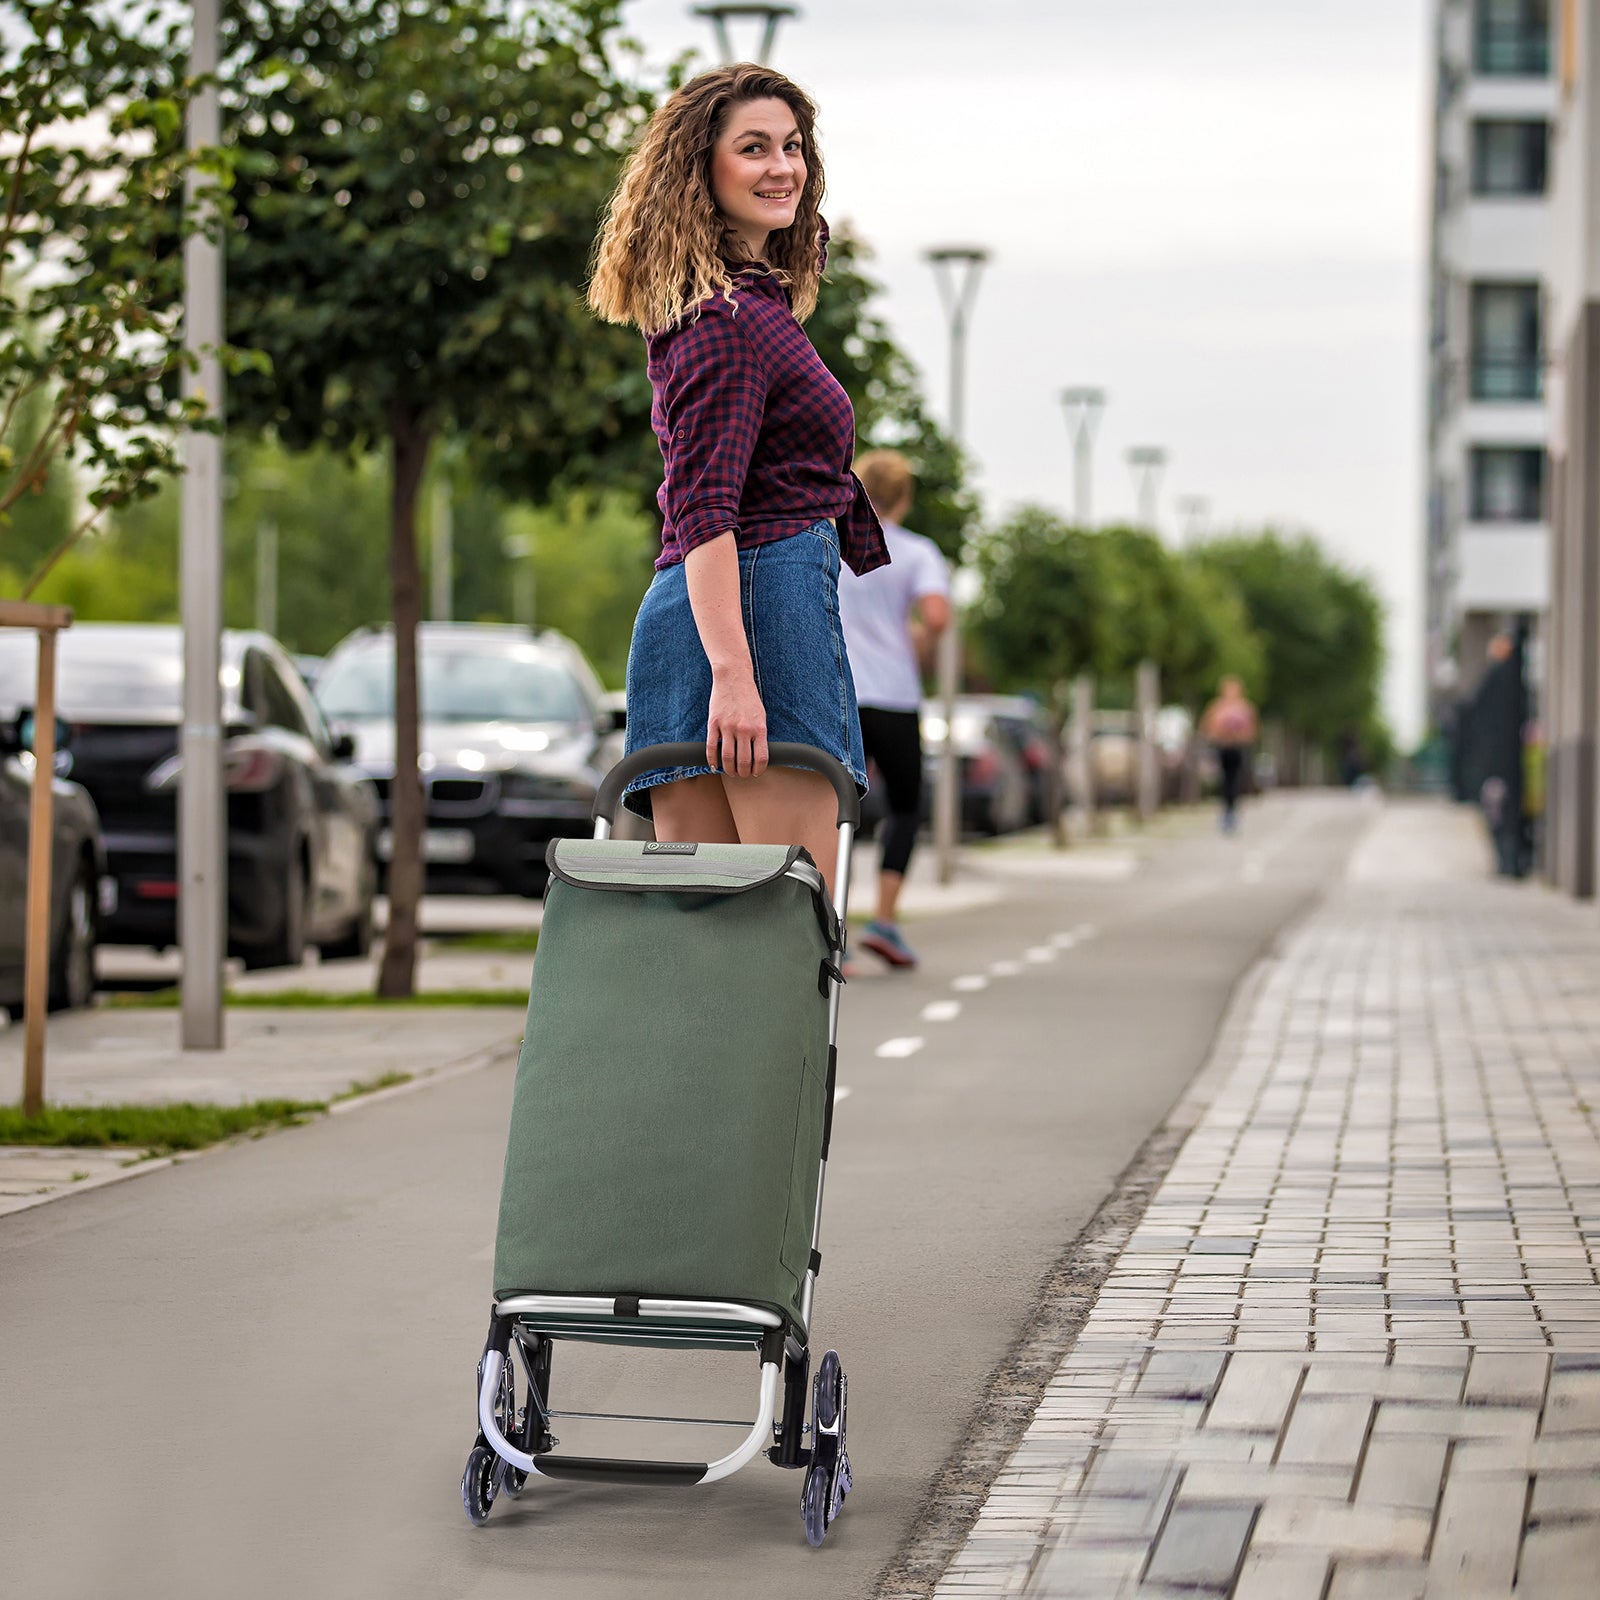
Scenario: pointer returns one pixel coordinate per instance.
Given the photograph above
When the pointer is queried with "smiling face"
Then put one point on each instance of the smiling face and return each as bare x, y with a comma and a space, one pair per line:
758, 171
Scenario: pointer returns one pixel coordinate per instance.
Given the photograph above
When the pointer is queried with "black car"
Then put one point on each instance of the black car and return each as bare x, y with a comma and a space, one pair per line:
78, 878
302, 821
516, 735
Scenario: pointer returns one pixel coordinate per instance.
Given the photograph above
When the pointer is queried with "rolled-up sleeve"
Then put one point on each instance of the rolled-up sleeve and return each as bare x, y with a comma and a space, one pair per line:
713, 397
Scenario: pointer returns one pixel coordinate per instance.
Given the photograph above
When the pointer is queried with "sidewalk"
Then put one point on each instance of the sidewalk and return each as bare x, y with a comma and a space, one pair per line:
1352, 1350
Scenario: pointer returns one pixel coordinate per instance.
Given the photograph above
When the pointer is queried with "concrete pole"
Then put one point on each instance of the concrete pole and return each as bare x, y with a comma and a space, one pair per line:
1148, 462
41, 836
442, 553
1083, 407
769, 16
1081, 739
956, 270
267, 575
1148, 696
202, 844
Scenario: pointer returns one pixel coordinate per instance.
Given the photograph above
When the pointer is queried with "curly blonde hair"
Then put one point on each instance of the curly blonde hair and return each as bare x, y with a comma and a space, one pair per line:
662, 246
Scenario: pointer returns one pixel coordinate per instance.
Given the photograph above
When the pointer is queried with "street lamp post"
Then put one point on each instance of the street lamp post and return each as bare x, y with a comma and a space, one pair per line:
770, 17
956, 269
1193, 508
1148, 462
1083, 407
202, 847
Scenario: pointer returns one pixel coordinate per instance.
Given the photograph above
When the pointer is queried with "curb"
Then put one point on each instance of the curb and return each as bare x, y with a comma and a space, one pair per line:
488, 1056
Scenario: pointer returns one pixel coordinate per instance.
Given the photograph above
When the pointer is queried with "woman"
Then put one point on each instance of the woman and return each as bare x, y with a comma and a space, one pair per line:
713, 246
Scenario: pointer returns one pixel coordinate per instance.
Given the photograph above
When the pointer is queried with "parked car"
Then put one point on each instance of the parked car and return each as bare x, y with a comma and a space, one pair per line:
78, 878
302, 820
516, 735
996, 786
1025, 726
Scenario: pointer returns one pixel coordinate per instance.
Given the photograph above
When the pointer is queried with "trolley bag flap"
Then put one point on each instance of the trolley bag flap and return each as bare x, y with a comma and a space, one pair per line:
636, 867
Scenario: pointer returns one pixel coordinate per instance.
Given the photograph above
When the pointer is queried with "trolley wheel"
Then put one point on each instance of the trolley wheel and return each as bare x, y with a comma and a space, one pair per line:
480, 1483
829, 1391
814, 1503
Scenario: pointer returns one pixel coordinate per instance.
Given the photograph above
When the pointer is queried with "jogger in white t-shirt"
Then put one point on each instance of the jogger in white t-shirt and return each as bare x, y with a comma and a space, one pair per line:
891, 619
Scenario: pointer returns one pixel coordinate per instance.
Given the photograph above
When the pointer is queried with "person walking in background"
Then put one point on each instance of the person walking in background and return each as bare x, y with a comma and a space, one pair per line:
892, 618
1231, 724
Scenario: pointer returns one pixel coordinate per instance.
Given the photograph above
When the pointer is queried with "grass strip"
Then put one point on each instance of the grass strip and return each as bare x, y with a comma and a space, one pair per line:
502, 941
159, 1129
385, 1080
313, 999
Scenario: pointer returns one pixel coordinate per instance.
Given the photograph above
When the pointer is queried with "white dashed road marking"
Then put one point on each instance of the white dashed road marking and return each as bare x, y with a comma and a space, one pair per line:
1086, 930
1041, 953
1063, 941
941, 1011
969, 983
896, 1049
840, 1093
1006, 969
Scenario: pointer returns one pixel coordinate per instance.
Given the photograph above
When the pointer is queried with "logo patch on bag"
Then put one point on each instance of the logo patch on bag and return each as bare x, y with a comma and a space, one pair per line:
674, 848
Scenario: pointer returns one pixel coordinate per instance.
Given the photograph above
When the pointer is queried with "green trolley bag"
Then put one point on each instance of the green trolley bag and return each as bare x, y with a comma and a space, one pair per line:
669, 1131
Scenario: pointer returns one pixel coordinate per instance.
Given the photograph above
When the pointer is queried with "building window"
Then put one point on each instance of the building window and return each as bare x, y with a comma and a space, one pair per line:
1509, 157
1507, 484
1506, 362
1512, 38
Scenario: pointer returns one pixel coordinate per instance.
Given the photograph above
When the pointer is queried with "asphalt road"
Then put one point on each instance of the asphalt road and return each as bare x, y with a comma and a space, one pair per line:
252, 1374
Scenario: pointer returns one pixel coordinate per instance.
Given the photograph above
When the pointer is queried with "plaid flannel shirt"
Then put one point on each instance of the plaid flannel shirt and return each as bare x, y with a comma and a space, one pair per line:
756, 435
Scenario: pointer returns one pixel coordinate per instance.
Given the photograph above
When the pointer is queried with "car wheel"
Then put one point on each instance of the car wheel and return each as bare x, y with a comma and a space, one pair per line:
287, 948
72, 975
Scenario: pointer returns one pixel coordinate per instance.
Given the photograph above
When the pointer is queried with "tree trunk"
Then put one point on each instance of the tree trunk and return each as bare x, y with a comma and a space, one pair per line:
410, 438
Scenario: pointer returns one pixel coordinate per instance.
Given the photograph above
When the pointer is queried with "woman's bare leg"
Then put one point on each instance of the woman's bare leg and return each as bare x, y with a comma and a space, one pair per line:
694, 809
788, 805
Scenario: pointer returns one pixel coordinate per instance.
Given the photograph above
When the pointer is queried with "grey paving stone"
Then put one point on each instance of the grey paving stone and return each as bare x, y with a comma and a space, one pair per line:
1256, 1392
1561, 1562
1479, 1530
1187, 1375
1403, 1472
1326, 1432
1201, 1547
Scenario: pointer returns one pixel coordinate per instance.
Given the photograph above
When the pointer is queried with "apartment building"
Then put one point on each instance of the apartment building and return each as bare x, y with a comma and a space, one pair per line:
1572, 307
1488, 531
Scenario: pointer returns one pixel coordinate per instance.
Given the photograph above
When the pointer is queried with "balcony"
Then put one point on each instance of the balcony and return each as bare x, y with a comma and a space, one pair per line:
1507, 378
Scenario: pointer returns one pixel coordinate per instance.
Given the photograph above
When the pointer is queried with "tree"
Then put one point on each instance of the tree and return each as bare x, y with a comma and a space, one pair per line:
93, 163
854, 342
1321, 627
419, 182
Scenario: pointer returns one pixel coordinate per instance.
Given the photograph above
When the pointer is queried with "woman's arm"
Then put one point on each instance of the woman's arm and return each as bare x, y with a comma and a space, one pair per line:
736, 723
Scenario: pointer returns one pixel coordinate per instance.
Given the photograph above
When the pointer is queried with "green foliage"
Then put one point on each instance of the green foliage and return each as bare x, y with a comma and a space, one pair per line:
883, 387
592, 561
93, 166
1321, 627
1043, 614
418, 190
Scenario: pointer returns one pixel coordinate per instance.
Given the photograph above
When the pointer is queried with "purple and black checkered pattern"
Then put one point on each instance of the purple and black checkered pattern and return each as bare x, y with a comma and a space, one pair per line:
756, 435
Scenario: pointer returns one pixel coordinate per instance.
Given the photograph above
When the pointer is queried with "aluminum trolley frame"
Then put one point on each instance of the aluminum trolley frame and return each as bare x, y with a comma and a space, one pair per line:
531, 1322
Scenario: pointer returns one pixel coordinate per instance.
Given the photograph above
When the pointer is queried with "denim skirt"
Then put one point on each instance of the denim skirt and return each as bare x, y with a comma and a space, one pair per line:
789, 593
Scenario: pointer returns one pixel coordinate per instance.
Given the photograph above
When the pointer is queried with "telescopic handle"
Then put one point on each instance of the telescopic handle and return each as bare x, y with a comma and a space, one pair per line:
694, 755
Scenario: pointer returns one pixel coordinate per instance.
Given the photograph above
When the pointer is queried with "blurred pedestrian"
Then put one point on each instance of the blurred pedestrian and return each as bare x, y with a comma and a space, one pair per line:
892, 620
713, 247
1232, 725
1498, 724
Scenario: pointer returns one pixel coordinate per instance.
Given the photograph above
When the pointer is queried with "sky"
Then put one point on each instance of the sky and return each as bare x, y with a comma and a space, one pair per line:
1215, 210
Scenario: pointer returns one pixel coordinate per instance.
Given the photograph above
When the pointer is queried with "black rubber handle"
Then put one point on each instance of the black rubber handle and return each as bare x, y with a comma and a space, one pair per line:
694, 755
